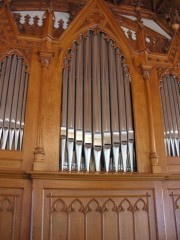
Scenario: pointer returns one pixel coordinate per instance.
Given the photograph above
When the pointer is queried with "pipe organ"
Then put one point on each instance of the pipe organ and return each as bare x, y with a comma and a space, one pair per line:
13, 90
170, 100
97, 124
73, 165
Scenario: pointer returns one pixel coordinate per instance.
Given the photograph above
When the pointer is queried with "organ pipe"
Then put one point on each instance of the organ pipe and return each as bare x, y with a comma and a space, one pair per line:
71, 106
79, 104
106, 129
87, 100
97, 122
13, 91
64, 115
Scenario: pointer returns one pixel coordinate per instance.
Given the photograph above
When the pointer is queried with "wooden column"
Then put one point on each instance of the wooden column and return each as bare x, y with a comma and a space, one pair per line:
49, 19
45, 60
146, 72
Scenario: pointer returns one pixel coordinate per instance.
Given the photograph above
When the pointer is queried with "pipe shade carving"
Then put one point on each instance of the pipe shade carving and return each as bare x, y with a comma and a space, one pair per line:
97, 124
170, 100
13, 91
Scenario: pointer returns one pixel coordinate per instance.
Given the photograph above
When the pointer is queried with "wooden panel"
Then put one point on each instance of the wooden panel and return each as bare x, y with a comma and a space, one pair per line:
99, 214
11, 159
174, 208
10, 213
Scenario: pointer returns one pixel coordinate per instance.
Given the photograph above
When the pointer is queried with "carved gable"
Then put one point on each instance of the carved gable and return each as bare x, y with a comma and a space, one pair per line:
96, 16
7, 32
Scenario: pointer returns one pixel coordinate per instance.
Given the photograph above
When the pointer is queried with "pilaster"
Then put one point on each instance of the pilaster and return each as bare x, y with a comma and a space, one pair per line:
45, 61
154, 158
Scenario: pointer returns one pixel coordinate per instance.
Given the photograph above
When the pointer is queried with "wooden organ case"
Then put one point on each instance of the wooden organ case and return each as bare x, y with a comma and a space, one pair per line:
89, 125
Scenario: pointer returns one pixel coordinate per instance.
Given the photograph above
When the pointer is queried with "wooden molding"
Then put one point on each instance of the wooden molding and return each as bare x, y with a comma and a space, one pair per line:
14, 174
85, 176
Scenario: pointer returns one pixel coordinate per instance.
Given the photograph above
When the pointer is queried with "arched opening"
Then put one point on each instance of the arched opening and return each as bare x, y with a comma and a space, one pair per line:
97, 130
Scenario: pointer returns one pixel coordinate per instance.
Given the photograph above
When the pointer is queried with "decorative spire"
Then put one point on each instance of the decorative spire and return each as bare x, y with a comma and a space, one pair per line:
6, 3
173, 18
137, 4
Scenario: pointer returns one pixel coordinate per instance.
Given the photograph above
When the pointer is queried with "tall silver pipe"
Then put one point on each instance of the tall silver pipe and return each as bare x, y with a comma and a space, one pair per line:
97, 137
71, 107
79, 103
96, 91
64, 111
87, 100
71, 93
113, 95
130, 130
114, 103
106, 130
105, 91
122, 107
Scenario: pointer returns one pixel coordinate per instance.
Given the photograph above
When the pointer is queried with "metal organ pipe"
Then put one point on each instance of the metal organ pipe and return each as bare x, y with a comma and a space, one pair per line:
97, 122
97, 137
71, 107
79, 104
64, 112
170, 101
87, 99
106, 129
13, 91
130, 132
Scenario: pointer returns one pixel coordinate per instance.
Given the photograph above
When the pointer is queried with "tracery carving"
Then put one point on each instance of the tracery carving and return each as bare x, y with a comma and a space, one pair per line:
131, 36
58, 204
24, 53
58, 31
175, 196
157, 43
26, 27
127, 207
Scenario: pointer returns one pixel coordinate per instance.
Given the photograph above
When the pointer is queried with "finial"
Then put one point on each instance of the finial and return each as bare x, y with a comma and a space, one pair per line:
138, 4
6, 3
173, 19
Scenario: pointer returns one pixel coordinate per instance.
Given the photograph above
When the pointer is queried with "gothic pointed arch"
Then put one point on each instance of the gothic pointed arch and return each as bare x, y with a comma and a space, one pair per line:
95, 15
97, 131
